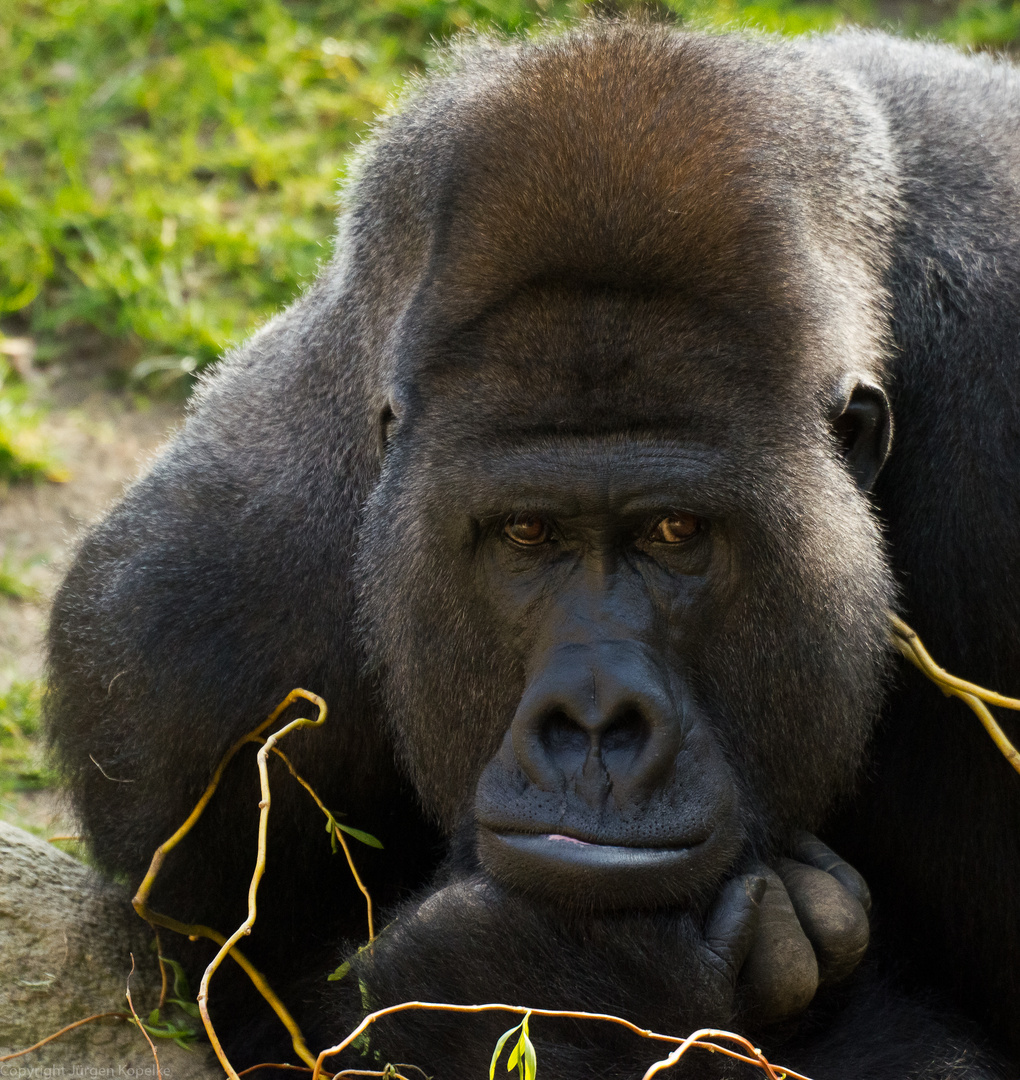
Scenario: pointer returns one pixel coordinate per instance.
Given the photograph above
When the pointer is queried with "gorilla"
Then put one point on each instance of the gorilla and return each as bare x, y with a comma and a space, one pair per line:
566, 485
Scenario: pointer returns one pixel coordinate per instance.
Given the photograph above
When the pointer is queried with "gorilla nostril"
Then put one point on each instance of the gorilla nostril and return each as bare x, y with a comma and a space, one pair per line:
624, 742
564, 741
628, 731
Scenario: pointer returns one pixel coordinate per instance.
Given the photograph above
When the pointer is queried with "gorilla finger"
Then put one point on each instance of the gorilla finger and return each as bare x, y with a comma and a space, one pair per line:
780, 975
807, 848
732, 922
834, 921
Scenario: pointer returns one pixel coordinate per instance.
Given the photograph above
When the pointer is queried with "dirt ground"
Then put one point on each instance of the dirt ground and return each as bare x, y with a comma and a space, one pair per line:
104, 439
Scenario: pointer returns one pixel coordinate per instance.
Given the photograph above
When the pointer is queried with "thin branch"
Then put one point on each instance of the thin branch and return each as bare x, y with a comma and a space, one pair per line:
909, 644
276, 1065
64, 1030
755, 1058
141, 1026
699, 1039
197, 930
260, 866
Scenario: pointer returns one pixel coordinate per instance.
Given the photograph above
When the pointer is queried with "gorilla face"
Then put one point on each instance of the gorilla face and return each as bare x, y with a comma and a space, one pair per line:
621, 592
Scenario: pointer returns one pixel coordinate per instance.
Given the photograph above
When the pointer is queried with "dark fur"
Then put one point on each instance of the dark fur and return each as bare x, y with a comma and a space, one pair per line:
618, 243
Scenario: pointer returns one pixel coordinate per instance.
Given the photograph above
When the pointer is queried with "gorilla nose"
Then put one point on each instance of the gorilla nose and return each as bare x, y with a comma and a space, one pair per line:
599, 721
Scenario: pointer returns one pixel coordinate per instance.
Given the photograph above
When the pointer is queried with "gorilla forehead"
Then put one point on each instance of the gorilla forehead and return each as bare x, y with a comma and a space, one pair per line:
645, 161
559, 361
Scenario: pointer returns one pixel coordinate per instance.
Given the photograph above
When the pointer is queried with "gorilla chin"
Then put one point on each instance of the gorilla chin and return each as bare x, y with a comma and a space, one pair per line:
565, 870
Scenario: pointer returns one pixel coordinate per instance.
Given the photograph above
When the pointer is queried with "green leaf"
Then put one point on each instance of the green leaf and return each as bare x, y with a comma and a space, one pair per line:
530, 1059
523, 1055
190, 1007
340, 972
358, 834
499, 1049
331, 827
180, 1033
181, 988
515, 1056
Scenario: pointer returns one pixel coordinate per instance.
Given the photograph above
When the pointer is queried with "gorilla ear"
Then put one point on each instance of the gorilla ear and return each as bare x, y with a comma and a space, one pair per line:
862, 424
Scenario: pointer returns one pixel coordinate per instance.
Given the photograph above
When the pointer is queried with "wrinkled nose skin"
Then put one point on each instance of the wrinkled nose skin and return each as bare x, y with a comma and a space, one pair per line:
598, 719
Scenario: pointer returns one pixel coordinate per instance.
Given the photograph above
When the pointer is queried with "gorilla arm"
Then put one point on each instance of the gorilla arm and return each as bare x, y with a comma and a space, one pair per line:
217, 585
670, 973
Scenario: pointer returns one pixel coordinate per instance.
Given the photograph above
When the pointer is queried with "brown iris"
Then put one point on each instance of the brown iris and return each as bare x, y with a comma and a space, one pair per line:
528, 529
675, 529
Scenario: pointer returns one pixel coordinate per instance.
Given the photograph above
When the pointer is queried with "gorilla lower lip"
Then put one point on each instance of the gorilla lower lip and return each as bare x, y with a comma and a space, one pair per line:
565, 869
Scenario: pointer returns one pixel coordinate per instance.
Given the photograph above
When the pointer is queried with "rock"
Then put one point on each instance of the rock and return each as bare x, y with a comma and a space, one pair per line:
66, 939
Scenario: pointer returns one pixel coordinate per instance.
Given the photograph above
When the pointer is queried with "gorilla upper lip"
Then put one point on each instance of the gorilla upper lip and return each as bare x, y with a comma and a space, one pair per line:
578, 835
565, 838
568, 850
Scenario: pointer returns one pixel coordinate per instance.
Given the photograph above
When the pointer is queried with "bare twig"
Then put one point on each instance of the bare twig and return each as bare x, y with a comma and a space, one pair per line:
164, 988
260, 867
64, 1030
274, 1065
141, 1026
699, 1038
909, 645
197, 930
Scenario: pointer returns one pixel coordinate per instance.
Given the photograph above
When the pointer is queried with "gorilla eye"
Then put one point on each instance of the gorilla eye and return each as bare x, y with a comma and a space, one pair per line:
675, 529
528, 529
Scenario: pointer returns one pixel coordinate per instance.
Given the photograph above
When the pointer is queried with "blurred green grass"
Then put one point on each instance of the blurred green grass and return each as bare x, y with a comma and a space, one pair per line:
21, 764
24, 451
169, 170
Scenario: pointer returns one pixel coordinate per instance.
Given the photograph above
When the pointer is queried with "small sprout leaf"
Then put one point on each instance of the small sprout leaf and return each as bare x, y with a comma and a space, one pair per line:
501, 1042
359, 834
181, 988
331, 828
522, 1057
530, 1059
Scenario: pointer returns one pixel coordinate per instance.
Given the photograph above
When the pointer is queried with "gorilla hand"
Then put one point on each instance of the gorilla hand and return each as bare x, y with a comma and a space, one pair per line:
812, 930
769, 940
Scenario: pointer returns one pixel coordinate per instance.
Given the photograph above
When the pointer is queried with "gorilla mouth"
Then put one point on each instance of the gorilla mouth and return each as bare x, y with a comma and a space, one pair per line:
566, 868
558, 846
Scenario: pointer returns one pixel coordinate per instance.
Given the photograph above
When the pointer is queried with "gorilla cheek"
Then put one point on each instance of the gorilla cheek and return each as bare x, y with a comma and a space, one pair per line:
445, 684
